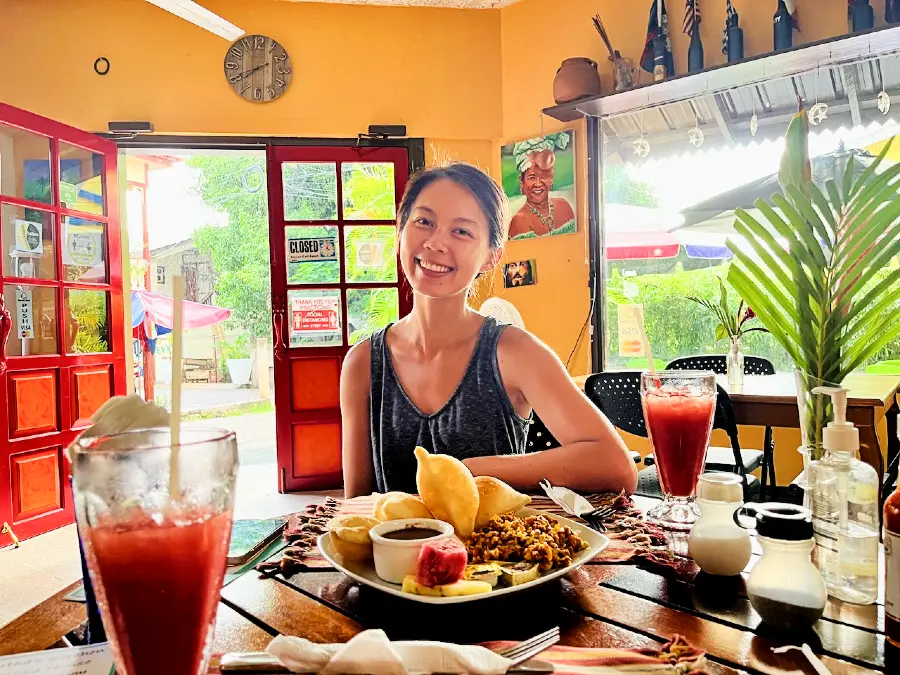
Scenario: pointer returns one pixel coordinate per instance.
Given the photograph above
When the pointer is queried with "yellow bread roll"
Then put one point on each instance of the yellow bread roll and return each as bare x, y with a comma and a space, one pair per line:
496, 498
399, 506
448, 489
349, 534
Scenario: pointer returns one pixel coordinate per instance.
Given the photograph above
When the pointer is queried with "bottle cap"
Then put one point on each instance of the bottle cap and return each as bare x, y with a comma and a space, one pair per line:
839, 435
774, 520
720, 487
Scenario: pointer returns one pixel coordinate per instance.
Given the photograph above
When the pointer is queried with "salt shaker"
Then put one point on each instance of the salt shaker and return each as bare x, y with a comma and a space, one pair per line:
717, 544
784, 587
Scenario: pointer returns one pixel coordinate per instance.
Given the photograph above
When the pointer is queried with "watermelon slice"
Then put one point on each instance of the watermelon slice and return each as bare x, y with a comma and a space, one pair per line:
441, 562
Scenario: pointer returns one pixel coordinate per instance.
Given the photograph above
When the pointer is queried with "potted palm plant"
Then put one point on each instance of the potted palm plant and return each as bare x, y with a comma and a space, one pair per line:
819, 277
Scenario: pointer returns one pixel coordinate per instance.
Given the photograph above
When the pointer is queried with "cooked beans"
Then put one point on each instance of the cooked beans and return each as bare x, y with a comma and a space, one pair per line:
535, 539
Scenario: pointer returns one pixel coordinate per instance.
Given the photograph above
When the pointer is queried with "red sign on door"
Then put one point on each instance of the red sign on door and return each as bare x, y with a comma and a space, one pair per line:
315, 314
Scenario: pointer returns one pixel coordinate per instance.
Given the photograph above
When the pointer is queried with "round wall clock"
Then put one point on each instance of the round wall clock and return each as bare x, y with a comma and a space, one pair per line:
257, 68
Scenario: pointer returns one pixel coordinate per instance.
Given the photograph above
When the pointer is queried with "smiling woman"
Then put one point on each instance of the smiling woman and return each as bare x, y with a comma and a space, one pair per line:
456, 382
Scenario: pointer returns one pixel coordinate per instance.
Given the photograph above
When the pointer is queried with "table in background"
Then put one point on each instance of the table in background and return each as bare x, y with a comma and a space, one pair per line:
771, 400
599, 605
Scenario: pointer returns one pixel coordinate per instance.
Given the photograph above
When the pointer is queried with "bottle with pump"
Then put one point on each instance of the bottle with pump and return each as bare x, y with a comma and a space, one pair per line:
845, 510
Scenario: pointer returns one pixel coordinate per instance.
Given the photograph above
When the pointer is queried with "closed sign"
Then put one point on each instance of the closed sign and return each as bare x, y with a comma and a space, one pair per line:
311, 249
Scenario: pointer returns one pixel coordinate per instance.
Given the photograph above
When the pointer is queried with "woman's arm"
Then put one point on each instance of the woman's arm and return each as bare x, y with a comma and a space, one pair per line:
356, 376
592, 456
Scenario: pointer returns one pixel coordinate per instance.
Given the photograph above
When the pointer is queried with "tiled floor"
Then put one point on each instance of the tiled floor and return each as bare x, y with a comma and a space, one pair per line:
46, 564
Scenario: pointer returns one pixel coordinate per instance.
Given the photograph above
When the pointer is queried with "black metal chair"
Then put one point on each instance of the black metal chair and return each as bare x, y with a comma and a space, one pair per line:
618, 396
540, 438
753, 365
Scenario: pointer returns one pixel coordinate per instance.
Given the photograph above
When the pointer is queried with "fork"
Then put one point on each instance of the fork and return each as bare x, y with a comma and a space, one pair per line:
518, 654
593, 517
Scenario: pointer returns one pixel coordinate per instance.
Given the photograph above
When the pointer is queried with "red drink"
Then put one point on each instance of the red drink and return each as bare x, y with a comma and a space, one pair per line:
679, 425
158, 587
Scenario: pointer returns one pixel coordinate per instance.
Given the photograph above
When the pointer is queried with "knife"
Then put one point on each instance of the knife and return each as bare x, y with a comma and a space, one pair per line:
260, 662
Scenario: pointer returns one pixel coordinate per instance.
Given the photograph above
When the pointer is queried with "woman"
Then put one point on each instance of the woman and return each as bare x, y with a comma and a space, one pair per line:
456, 382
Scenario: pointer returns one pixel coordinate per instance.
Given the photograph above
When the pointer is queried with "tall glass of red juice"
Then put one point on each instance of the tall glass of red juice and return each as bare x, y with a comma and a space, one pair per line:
679, 407
156, 559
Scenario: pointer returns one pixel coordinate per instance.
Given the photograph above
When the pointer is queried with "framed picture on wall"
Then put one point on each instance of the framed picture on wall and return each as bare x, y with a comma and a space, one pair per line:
539, 180
520, 273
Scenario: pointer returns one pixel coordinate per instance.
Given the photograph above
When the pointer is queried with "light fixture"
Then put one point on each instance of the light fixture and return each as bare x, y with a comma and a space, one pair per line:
200, 16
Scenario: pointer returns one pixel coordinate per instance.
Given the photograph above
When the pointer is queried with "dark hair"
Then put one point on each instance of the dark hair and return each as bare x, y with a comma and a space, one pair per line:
487, 193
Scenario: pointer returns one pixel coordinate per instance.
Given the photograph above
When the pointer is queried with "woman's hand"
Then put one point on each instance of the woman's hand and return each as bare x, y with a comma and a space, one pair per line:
592, 456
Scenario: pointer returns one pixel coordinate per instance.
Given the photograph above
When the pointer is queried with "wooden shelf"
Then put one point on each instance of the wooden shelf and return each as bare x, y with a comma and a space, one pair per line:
835, 51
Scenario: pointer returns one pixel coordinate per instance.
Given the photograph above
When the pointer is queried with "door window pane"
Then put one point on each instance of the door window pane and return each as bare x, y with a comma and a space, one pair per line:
84, 250
87, 330
371, 253
81, 179
370, 309
29, 243
25, 165
309, 190
34, 324
314, 318
311, 255
368, 191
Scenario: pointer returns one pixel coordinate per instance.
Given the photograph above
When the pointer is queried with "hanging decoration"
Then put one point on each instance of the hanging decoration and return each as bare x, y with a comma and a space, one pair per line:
641, 146
754, 124
657, 55
819, 112
696, 136
792, 10
884, 102
691, 15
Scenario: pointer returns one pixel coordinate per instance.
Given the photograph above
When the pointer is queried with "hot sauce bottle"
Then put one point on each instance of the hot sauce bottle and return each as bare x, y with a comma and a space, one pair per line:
892, 568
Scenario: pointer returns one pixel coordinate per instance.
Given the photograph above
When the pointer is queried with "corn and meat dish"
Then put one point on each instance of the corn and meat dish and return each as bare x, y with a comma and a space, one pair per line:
539, 540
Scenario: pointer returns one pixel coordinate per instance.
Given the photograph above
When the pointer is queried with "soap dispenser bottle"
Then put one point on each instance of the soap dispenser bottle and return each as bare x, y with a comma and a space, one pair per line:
845, 510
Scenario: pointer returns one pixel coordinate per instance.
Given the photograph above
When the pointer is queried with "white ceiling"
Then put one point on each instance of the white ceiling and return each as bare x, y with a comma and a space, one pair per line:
465, 4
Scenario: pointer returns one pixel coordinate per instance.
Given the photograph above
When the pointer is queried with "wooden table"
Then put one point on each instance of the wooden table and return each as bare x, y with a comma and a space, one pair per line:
596, 606
771, 400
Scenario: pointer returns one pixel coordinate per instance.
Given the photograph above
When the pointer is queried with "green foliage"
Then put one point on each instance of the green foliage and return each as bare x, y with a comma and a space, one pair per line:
240, 250
239, 348
89, 310
818, 294
731, 323
619, 188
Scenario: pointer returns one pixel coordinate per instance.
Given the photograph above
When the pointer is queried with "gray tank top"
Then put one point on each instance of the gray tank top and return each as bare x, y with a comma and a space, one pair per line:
478, 420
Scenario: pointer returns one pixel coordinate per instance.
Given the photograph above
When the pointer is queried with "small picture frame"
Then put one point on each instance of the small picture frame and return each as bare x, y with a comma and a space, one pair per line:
520, 273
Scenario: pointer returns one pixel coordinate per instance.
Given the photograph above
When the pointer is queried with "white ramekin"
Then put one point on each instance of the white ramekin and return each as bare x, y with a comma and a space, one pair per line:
396, 558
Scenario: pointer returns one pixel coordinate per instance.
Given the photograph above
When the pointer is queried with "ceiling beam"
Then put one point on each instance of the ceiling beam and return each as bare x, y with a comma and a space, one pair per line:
719, 115
848, 75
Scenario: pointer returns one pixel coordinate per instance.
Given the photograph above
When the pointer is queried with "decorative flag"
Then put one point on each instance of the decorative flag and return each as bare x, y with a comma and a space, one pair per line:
792, 8
692, 14
892, 11
731, 19
653, 30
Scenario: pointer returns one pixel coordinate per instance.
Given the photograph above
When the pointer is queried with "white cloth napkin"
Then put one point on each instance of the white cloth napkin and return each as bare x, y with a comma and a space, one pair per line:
372, 653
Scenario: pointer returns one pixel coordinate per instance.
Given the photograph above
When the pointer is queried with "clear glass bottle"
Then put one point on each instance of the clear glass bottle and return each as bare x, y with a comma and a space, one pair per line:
845, 510
784, 586
734, 364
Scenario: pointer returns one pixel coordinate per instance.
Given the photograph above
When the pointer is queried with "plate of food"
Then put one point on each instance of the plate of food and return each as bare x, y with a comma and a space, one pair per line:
460, 539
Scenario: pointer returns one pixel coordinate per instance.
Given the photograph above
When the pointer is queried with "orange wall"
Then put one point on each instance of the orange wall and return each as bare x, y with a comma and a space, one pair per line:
435, 70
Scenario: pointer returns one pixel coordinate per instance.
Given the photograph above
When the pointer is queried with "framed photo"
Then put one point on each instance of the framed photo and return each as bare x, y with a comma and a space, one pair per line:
521, 273
539, 180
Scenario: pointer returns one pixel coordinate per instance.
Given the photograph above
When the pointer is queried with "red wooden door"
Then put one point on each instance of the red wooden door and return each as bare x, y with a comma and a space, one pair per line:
62, 287
336, 278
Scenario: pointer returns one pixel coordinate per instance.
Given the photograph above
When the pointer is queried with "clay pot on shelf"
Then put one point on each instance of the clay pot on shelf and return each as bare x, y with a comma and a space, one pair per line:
576, 78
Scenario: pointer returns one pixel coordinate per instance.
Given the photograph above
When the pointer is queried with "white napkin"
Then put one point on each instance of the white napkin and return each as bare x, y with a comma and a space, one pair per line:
372, 653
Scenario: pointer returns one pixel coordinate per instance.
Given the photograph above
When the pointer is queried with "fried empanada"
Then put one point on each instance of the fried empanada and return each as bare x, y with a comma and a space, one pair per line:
448, 489
398, 506
496, 498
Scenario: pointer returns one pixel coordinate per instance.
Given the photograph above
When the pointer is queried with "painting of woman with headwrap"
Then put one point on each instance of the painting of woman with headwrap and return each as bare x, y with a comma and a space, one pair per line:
539, 180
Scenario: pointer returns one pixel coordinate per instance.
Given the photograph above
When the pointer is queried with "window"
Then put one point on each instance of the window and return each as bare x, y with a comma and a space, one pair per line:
160, 274
668, 215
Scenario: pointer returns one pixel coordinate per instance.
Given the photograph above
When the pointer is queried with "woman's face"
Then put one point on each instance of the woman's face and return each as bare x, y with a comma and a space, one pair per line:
446, 241
536, 184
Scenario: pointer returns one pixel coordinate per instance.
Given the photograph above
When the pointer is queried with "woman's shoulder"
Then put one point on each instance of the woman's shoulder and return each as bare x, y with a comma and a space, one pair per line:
519, 343
358, 362
563, 208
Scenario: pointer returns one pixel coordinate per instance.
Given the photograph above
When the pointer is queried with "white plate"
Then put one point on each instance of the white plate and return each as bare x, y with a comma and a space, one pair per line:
364, 572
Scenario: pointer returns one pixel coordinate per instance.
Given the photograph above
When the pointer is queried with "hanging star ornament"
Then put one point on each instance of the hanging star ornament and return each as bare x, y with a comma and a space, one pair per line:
641, 147
754, 124
696, 137
818, 113
884, 102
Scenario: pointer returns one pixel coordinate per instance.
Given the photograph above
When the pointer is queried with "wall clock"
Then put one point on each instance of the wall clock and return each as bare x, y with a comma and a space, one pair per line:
257, 68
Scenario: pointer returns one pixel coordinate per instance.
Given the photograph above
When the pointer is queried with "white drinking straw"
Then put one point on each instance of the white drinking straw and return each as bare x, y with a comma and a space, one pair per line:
175, 418
639, 318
